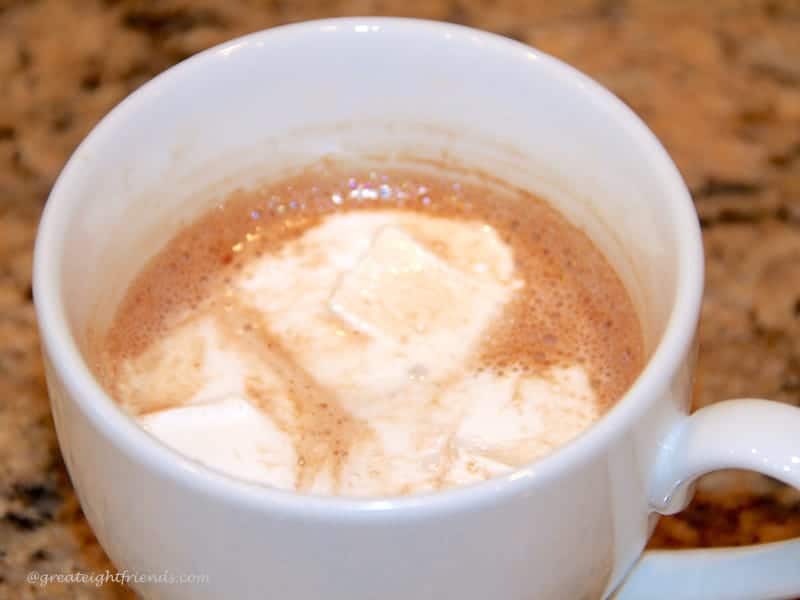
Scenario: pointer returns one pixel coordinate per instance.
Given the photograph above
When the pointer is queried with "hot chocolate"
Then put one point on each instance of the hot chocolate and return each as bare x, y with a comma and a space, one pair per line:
372, 333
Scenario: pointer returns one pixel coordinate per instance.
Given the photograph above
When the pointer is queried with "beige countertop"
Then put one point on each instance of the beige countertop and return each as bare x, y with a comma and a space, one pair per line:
718, 81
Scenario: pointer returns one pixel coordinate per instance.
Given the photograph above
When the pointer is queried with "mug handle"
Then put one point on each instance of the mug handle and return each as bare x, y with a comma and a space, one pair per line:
758, 435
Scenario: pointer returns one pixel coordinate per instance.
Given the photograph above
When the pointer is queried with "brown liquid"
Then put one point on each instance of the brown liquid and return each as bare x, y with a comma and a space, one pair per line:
573, 309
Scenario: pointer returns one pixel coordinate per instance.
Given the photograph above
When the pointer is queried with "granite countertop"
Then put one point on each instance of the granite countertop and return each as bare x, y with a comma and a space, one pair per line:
718, 81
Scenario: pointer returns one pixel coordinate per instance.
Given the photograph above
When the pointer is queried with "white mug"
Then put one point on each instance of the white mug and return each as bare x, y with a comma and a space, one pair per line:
570, 526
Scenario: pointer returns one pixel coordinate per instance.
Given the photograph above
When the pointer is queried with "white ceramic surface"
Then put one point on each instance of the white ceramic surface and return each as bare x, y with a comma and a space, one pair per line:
569, 526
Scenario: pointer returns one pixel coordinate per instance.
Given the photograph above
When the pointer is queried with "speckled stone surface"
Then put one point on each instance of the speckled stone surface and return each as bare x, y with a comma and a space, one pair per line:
718, 81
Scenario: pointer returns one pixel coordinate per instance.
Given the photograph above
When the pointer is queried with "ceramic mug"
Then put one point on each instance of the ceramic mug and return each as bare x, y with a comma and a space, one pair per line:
572, 525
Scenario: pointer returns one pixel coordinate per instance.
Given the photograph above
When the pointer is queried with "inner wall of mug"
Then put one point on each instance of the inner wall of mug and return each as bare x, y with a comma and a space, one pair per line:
389, 90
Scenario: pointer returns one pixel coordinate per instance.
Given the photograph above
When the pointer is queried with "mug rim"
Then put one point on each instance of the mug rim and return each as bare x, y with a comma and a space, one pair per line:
105, 415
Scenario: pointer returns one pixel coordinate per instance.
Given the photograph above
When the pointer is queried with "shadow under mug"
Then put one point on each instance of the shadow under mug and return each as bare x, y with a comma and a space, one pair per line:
572, 525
